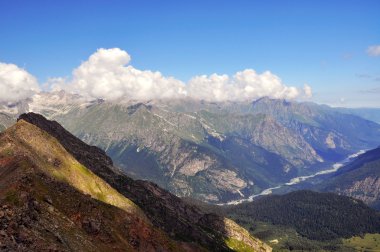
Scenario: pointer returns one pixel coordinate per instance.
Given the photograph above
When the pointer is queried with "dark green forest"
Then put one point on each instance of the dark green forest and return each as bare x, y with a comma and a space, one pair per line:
316, 216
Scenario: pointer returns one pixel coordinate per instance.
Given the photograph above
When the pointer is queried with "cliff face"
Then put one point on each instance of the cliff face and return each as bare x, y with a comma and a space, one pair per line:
66, 162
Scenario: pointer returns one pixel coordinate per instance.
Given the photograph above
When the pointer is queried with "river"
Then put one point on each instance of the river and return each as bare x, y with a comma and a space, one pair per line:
335, 167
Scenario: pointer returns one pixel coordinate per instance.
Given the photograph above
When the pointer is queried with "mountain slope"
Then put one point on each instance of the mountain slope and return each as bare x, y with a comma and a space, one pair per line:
359, 179
50, 201
372, 114
167, 212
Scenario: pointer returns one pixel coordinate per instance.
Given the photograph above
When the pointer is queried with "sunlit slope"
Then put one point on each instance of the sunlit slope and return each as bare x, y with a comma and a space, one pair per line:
49, 200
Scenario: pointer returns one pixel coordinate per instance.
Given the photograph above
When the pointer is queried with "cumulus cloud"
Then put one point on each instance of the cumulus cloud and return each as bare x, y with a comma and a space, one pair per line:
374, 51
16, 83
244, 85
107, 74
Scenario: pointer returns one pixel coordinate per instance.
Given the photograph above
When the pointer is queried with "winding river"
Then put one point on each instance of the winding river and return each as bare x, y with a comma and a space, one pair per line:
297, 180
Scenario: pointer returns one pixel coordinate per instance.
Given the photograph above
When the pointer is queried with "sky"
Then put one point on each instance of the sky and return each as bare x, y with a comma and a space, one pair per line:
322, 51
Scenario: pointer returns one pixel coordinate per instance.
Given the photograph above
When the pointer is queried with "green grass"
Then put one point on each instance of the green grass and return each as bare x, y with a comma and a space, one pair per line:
369, 242
237, 245
45, 149
288, 239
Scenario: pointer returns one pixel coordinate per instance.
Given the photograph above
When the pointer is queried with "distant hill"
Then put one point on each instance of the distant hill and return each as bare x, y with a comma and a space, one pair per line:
372, 114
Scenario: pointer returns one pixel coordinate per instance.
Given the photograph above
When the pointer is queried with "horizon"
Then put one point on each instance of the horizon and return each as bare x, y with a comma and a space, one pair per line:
322, 52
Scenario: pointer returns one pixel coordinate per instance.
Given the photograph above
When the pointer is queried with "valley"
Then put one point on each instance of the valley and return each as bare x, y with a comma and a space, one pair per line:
294, 181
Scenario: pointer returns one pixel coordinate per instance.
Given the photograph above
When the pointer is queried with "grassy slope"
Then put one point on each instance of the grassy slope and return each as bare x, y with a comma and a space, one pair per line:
368, 242
54, 159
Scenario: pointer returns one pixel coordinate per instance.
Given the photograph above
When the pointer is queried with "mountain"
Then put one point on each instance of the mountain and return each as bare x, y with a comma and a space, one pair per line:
359, 179
372, 114
305, 220
215, 152
60, 194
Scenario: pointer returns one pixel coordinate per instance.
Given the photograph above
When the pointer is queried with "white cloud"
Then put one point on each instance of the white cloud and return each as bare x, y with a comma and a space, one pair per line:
244, 85
16, 83
307, 91
107, 74
374, 51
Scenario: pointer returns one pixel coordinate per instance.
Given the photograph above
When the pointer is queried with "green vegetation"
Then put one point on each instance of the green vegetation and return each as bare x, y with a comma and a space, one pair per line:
237, 245
317, 216
368, 242
282, 238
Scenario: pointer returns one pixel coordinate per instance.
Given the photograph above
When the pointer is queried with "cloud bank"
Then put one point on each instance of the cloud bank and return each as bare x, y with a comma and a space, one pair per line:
244, 85
107, 74
16, 84
374, 51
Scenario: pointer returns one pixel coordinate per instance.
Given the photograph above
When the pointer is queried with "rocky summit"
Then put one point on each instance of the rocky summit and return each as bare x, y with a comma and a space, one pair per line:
59, 194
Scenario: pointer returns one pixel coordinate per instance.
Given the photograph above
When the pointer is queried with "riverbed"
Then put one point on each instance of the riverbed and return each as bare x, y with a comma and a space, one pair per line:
335, 167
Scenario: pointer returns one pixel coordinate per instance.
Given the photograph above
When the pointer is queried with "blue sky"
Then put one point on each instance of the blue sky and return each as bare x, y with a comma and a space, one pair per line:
322, 43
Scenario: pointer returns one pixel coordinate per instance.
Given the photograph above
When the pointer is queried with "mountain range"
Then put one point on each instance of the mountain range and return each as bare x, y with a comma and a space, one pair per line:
215, 152
60, 194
